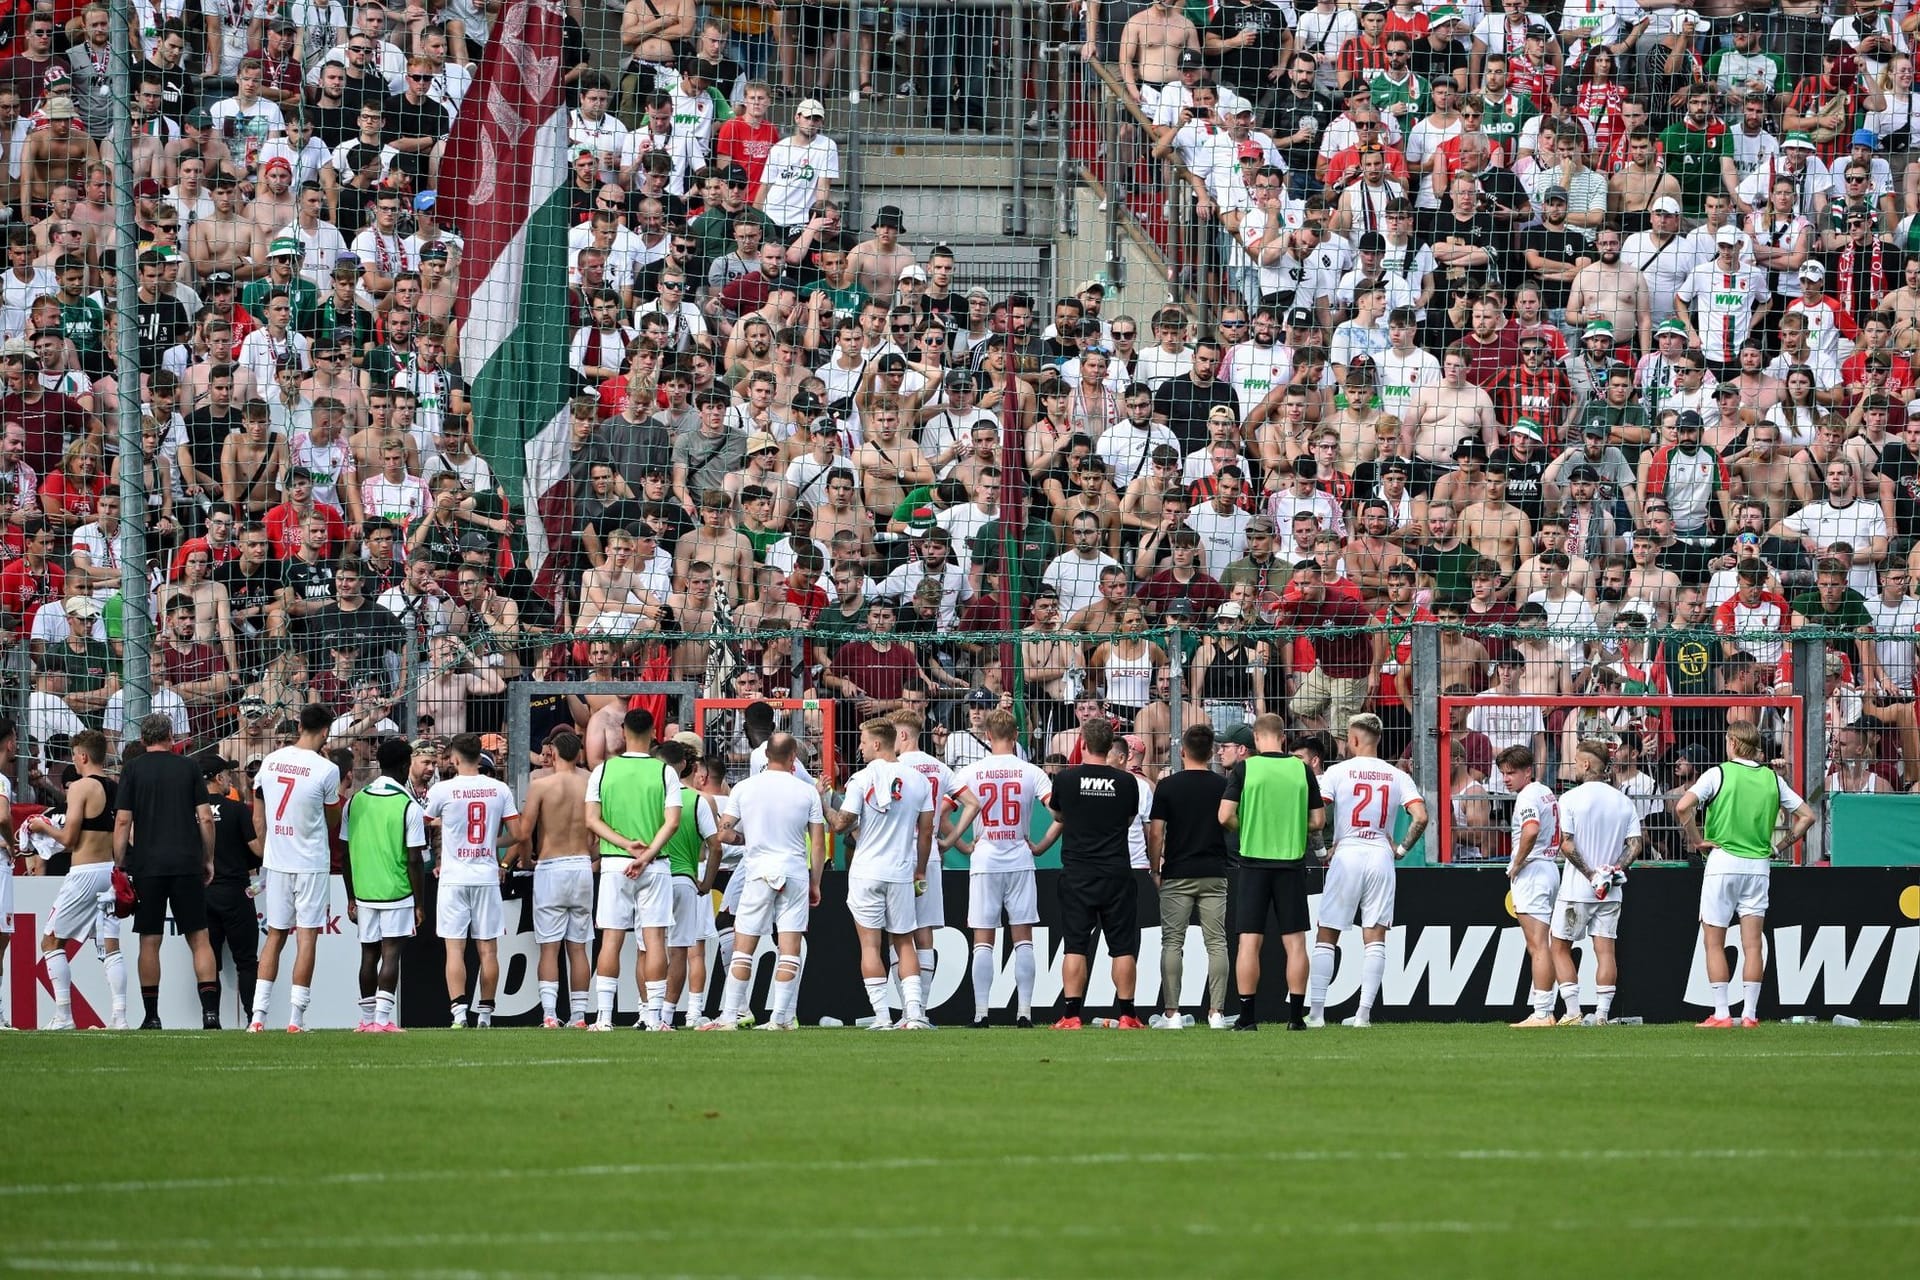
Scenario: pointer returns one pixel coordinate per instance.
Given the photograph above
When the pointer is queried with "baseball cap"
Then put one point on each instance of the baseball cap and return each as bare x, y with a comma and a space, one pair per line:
213, 764
145, 189
810, 107
1250, 150
914, 271
277, 162
1241, 735
1595, 430
1470, 447
980, 698
1190, 60
1811, 270
1093, 286
1728, 234
217, 279
1231, 609
425, 200
1667, 204
892, 362
1583, 473
1301, 318
1689, 420
1371, 242
961, 380
1396, 466
1553, 193
1260, 524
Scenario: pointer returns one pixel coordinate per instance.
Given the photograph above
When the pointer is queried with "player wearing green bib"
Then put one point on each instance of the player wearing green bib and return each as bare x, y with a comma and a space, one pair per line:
695, 840
633, 806
1744, 799
386, 834
1273, 801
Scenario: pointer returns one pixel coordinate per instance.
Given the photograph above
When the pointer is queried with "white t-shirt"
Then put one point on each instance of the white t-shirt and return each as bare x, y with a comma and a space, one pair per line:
471, 811
1008, 790
1858, 524
1366, 795
163, 702
757, 765
887, 798
296, 785
1601, 820
1535, 803
1895, 625
773, 811
1505, 725
792, 176
939, 781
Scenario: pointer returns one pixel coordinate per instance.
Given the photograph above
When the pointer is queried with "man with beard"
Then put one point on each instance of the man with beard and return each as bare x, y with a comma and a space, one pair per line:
1611, 291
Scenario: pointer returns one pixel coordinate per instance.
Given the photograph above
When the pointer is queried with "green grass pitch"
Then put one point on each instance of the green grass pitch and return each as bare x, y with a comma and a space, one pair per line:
1400, 1151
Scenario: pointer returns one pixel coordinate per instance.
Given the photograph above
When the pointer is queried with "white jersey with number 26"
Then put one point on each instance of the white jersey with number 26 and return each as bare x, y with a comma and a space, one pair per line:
1009, 790
470, 811
1366, 796
296, 786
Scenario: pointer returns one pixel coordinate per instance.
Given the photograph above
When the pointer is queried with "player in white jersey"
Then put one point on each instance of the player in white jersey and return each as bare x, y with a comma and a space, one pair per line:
84, 906
1367, 796
1600, 838
930, 902
1532, 873
779, 820
296, 810
553, 831
893, 806
472, 812
1003, 792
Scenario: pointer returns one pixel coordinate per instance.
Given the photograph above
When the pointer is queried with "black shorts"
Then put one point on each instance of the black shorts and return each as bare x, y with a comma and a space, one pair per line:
1279, 886
187, 895
1095, 902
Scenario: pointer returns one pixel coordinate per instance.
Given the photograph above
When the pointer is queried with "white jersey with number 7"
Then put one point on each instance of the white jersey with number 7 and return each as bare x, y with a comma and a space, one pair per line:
1367, 796
296, 786
470, 811
1009, 790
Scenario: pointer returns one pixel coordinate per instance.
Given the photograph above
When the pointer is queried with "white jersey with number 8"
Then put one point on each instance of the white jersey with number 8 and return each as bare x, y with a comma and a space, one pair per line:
470, 811
1009, 790
1367, 796
296, 786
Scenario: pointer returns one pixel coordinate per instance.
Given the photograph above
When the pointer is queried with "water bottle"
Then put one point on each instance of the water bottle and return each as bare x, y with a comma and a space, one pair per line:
831, 1022
253, 885
1106, 1022
1625, 1022
1842, 1020
1799, 1020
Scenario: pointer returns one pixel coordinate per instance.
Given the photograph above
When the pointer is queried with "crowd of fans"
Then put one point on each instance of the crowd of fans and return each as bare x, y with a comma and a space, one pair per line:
1597, 323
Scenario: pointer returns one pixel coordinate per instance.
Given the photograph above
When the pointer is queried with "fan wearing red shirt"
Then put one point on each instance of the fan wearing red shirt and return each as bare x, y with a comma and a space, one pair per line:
1343, 676
32, 578
1753, 608
1534, 388
1393, 657
1492, 343
283, 521
747, 139
1896, 377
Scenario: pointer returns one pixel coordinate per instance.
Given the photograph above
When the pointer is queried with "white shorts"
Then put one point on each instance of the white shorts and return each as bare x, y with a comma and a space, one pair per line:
380, 921
1574, 919
85, 895
628, 903
1726, 895
563, 899
765, 910
1358, 892
295, 899
6, 892
692, 915
930, 908
1535, 888
470, 911
990, 893
886, 905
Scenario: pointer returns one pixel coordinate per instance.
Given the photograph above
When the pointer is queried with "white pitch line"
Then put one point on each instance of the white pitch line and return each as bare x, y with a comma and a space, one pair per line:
436, 1064
383, 1177
69, 1266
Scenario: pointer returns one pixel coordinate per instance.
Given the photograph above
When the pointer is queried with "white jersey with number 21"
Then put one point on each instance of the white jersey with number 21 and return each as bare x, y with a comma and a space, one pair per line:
1367, 796
1009, 791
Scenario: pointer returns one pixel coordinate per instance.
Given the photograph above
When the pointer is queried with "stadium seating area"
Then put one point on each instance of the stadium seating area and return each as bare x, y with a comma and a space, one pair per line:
1587, 331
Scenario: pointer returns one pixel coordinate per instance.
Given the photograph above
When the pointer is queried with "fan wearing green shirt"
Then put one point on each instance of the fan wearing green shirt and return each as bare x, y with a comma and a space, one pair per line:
283, 260
1744, 799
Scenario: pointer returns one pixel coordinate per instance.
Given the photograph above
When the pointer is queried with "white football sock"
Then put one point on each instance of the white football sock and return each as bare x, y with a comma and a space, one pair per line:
1569, 992
911, 992
696, 1005
734, 997
550, 1000
60, 977
366, 1008
1720, 1009
483, 1013
982, 980
302, 997
604, 990
786, 989
262, 997
929, 960
1373, 967
116, 962
1603, 1000
656, 1002
383, 1008
1023, 976
877, 997
1319, 977
577, 1002
1751, 1009
459, 1013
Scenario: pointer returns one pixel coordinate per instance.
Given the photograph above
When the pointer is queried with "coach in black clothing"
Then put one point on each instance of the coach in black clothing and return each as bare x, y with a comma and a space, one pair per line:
1187, 851
1183, 403
163, 838
231, 919
1096, 805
